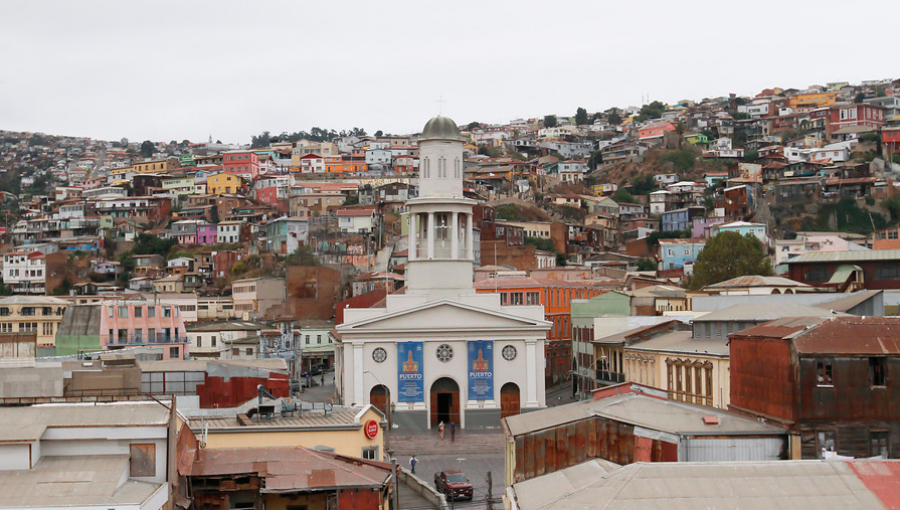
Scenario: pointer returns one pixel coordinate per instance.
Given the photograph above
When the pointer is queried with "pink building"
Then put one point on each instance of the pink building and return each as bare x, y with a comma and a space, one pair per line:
133, 323
206, 233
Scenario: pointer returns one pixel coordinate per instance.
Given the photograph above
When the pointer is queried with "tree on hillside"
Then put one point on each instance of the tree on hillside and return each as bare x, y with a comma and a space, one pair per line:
550, 121
471, 126
729, 255
859, 98
642, 185
262, 140
646, 264
595, 159
653, 110
614, 117
147, 148
379, 133
581, 116
682, 159
623, 196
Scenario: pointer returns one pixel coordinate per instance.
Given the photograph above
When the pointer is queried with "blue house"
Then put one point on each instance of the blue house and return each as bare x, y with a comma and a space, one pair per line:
679, 253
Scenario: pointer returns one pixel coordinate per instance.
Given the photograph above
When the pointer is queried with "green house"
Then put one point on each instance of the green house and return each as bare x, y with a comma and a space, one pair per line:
698, 139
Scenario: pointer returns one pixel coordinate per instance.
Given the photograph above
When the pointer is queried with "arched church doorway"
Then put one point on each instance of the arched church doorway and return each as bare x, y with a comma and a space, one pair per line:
509, 400
444, 402
380, 397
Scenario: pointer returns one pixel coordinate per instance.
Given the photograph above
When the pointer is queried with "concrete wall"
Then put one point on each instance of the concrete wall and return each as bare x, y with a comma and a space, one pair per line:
14, 457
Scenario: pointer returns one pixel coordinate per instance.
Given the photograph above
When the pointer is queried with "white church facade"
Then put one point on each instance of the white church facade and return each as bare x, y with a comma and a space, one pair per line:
439, 351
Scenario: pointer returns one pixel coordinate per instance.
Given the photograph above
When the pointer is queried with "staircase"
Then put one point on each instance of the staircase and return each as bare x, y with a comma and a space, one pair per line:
431, 444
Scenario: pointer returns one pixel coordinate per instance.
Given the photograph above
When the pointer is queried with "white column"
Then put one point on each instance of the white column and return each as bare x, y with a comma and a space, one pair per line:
454, 236
430, 235
470, 237
358, 390
413, 235
531, 373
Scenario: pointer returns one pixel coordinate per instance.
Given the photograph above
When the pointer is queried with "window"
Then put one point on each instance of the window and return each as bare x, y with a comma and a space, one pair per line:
249, 351
516, 298
167, 311
817, 274
824, 374
824, 442
532, 298
151, 335
173, 353
143, 460
370, 453
151, 312
123, 312
504, 299
199, 341
138, 312
111, 312
235, 352
887, 272
878, 443
47, 311
139, 336
877, 369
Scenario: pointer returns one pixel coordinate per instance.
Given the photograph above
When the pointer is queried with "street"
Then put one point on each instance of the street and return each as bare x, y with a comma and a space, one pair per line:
475, 466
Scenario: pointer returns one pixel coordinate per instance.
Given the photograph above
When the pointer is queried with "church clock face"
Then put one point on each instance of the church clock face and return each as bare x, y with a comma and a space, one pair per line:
509, 353
444, 353
379, 355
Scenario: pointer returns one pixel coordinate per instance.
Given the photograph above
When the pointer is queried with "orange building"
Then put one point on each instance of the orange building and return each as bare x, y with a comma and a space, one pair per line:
556, 298
339, 165
887, 239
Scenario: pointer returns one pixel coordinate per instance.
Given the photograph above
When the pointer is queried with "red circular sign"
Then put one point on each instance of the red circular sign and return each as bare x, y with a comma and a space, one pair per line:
371, 429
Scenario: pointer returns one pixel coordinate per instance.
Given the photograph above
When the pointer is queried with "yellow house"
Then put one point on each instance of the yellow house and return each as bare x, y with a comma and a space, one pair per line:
33, 314
223, 183
156, 166
690, 369
344, 430
813, 100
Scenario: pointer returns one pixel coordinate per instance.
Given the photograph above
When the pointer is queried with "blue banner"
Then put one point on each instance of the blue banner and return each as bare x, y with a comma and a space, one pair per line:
410, 381
481, 370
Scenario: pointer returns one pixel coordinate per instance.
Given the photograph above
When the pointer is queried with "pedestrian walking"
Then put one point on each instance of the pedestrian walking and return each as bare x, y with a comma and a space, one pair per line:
323, 378
441, 430
307, 381
412, 464
452, 431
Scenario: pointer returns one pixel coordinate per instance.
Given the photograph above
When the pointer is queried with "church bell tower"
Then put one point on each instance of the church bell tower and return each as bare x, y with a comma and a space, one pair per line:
441, 223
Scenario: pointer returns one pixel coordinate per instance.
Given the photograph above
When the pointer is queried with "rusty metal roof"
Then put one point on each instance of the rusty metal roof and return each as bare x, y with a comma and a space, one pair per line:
292, 469
835, 335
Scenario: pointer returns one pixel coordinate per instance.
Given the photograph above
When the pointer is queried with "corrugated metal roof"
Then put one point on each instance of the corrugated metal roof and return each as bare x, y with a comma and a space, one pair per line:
852, 335
757, 281
292, 469
845, 256
301, 420
74, 482
838, 335
683, 342
29, 423
765, 312
648, 412
777, 485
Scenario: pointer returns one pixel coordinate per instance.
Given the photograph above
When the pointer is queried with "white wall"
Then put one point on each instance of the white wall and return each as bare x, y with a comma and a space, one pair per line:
14, 457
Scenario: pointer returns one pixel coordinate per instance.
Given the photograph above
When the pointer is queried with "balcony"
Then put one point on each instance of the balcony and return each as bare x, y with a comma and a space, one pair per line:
142, 340
609, 377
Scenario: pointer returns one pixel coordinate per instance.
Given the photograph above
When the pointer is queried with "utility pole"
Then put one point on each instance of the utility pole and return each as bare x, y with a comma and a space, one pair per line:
490, 496
396, 494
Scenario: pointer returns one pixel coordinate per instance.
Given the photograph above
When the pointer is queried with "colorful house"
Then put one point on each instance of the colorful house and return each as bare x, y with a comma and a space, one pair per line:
679, 253
697, 139
655, 130
240, 163
224, 183
207, 233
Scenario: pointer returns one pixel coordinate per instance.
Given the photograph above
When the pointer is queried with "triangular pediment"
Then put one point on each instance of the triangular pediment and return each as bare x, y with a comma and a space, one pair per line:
444, 316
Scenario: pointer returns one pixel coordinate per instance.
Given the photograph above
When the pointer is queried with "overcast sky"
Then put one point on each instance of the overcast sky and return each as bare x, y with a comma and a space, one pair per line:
174, 70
